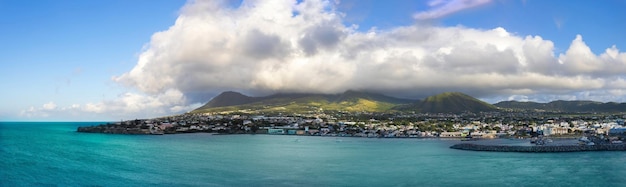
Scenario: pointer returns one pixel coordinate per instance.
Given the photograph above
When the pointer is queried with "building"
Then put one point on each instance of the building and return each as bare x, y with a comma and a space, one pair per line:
451, 134
555, 131
618, 132
275, 131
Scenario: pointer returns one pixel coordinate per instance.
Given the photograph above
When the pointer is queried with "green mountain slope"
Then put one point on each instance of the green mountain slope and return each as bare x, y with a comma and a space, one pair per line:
565, 106
229, 99
449, 102
355, 101
351, 101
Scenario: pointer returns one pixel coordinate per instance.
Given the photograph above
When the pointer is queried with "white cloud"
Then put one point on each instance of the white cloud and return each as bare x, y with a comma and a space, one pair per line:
46, 111
125, 106
441, 8
33, 112
142, 105
49, 106
262, 47
579, 59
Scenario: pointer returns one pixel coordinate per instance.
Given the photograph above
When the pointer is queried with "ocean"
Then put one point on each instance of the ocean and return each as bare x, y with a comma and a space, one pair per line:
53, 154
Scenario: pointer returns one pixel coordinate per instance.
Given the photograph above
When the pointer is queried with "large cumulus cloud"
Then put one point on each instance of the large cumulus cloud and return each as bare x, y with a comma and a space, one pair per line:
262, 47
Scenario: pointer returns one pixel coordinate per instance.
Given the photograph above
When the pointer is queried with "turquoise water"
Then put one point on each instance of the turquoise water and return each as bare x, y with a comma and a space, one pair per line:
52, 154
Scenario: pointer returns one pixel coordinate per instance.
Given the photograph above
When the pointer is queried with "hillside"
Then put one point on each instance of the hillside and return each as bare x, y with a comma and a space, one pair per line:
564, 106
351, 101
229, 99
449, 102
356, 101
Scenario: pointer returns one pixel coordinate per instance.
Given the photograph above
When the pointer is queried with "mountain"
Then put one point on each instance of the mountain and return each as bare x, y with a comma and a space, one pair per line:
229, 99
357, 101
449, 102
565, 106
301, 102
352, 95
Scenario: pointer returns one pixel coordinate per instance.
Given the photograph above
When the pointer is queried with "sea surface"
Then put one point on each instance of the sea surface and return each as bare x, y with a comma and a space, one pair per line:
53, 154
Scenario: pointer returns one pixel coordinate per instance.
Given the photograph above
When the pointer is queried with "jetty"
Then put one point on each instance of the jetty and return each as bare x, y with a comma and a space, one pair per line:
539, 148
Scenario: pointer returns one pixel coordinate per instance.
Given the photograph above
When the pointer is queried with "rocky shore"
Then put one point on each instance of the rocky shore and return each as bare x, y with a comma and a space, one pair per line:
539, 149
118, 129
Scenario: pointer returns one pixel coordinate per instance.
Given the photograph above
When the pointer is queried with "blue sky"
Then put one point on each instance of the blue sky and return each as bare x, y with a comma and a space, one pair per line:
66, 51
111, 60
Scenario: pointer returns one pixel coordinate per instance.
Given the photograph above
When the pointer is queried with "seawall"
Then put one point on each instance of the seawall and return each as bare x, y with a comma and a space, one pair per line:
539, 149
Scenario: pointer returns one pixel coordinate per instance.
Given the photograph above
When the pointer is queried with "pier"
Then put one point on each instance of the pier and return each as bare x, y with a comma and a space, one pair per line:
539, 149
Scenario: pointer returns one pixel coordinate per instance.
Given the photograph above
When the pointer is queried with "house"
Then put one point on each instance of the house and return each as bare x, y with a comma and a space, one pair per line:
275, 131
450, 134
555, 131
477, 134
618, 132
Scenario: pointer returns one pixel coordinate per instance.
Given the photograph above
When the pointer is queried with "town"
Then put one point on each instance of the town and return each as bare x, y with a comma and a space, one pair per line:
382, 125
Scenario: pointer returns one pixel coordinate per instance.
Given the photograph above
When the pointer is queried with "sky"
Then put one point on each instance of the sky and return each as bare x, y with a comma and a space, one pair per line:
116, 60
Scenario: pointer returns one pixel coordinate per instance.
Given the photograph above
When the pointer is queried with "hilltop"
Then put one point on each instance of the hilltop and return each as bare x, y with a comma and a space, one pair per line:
229, 98
449, 102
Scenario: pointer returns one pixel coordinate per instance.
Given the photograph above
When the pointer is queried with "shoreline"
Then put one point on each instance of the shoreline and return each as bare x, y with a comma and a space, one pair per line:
81, 130
562, 144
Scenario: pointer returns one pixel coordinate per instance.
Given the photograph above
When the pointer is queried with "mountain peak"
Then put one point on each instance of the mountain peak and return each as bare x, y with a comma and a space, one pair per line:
452, 102
230, 93
228, 98
448, 95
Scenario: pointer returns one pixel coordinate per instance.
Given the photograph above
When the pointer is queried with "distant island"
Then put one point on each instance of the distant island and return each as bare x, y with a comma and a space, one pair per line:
363, 114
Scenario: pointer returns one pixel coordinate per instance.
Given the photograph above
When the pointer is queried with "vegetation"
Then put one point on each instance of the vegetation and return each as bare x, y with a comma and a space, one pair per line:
354, 101
350, 101
449, 102
565, 106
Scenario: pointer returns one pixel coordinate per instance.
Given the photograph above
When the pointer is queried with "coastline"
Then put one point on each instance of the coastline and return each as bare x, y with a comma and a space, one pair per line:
561, 144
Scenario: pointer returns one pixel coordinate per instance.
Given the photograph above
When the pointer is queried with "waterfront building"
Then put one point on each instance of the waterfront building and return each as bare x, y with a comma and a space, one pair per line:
275, 131
450, 134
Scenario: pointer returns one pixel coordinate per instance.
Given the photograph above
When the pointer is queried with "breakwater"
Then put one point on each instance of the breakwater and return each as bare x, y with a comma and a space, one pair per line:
540, 149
